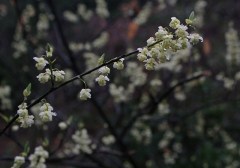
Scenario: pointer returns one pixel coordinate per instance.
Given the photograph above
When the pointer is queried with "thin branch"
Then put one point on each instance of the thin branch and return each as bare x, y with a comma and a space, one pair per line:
65, 83
154, 104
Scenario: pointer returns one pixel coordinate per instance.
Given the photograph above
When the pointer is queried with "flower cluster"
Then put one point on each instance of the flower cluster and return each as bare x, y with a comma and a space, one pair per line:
25, 119
38, 158
82, 142
46, 112
104, 71
165, 42
53, 74
44, 77
18, 161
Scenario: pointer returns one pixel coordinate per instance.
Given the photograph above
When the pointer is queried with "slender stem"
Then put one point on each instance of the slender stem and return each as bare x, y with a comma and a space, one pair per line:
155, 103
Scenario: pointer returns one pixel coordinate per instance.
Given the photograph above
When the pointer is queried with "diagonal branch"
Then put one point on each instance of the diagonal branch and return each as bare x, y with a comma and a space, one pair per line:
154, 104
65, 83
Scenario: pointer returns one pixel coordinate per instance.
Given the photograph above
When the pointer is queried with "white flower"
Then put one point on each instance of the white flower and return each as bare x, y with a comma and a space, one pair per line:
41, 63
174, 23
46, 116
18, 161
46, 112
150, 41
182, 27
161, 32
150, 64
43, 77
102, 80
141, 57
22, 112
26, 121
119, 64
143, 51
194, 38
181, 31
59, 75
46, 107
154, 53
104, 70
85, 94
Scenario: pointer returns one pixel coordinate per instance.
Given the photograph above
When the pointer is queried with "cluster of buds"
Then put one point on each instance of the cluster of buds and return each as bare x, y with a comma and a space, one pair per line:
25, 119
164, 43
53, 74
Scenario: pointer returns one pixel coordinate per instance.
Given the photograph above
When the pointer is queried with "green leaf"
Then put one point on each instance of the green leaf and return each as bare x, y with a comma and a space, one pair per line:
5, 118
48, 47
27, 91
191, 16
101, 60
26, 147
29, 87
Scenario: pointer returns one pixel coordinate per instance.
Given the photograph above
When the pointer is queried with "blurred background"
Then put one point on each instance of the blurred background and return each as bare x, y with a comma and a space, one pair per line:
160, 118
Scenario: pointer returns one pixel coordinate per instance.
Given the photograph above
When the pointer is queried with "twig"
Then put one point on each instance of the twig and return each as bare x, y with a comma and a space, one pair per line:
155, 103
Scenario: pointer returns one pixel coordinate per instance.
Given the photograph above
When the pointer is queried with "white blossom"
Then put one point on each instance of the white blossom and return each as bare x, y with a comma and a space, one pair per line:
59, 75
44, 77
194, 38
102, 80
104, 70
119, 64
18, 161
174, 23
85, 94
46, 112
41, 63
